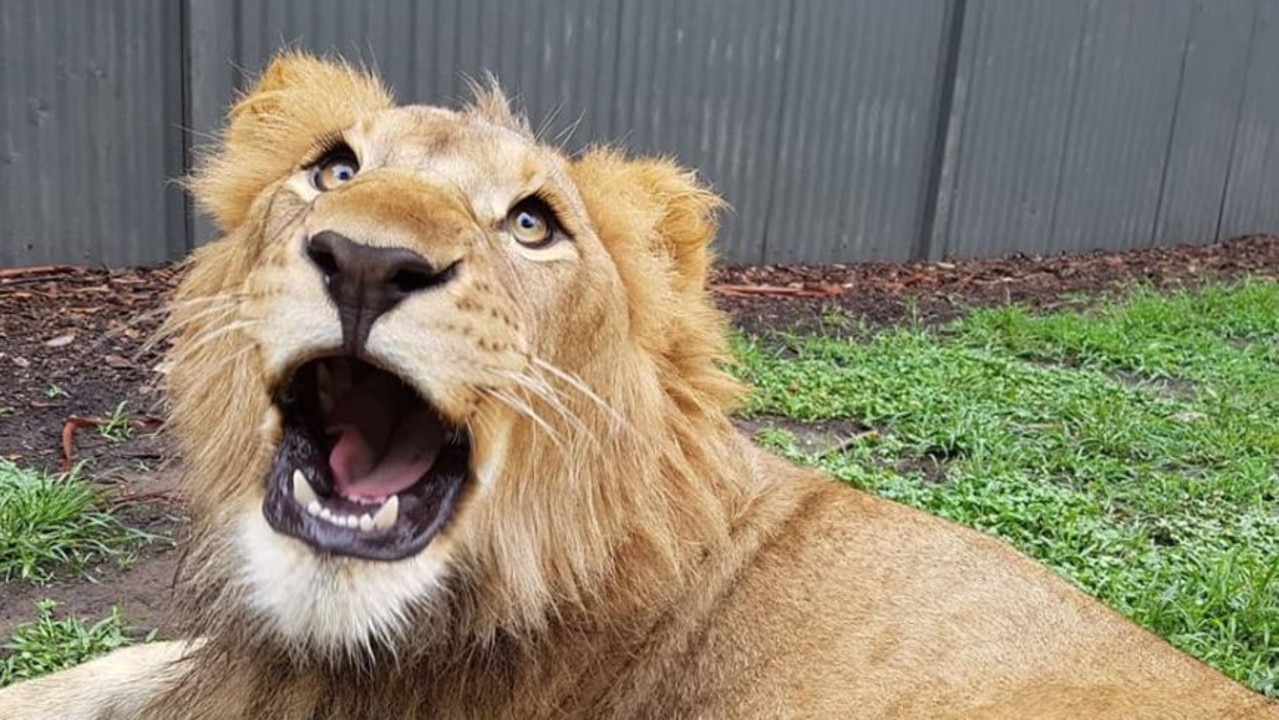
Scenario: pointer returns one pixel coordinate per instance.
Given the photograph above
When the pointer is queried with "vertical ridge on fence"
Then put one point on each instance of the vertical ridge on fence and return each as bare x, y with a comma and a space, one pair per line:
1197, 159
929, 244
854, 153
1251, 201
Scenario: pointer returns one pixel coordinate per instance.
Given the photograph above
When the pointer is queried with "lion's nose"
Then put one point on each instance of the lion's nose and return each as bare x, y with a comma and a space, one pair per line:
366, 281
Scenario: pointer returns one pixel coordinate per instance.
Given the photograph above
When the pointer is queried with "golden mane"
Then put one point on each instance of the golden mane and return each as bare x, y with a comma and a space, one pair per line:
652, 420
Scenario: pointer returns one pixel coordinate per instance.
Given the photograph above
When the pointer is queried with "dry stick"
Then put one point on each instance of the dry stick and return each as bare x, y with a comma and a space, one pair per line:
38, 270
777, 290
75, 422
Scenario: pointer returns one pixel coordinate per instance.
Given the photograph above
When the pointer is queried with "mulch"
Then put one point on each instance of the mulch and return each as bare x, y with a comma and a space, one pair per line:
763, 298
72, 339
71, 350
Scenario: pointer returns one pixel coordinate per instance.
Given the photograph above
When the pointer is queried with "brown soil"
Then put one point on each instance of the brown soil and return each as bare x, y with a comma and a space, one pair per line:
142, 590
71, 344
879, 294
815, 438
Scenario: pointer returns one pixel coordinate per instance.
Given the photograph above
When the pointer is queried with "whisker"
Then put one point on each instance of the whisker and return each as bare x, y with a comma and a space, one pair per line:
174, 327
521, 407
580, 385
212, 335
229, 359
548, 394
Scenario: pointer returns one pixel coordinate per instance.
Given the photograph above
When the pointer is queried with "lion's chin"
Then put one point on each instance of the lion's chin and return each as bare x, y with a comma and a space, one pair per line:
320, 603
365, 467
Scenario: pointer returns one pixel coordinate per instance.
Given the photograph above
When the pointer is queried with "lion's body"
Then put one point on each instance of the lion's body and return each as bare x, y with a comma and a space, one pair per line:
621, 551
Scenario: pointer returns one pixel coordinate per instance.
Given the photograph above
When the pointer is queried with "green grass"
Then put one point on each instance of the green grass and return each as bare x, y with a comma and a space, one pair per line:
1133, 447
118, 426
53, 523
50, 644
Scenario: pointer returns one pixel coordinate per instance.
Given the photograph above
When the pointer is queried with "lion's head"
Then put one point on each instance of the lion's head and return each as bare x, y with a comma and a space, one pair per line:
439, 379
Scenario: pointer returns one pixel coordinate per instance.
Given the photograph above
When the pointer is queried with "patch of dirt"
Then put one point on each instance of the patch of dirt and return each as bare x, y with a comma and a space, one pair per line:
932, 469
817, 438
1171, 388
812, 298
72, 344
834, 436
143, 591
149, 501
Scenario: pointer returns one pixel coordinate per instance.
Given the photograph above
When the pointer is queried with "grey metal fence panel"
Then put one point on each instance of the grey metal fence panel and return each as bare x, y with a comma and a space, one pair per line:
1009, 131
705, 82
1126, 94
855, 149
89, 132
1067, 114
840, 130
1214, 70
1252, 195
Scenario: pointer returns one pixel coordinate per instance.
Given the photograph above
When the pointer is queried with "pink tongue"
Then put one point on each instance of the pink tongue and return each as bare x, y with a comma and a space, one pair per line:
380, 451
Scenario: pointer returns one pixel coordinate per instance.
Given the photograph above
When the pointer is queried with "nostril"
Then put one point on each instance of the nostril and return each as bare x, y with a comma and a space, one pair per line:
412, 278
322, 255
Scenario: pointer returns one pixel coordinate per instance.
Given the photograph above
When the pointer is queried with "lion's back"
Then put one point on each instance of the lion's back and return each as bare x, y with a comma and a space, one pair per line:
857, 606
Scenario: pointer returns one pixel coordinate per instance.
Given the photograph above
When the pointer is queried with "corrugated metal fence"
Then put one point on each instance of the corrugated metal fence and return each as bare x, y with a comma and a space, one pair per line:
840, 130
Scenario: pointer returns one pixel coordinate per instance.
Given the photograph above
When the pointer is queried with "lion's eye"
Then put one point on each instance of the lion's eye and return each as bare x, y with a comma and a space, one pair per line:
335, 168
531, 223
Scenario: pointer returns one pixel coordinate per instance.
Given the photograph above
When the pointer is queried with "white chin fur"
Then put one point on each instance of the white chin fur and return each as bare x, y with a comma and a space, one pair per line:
333, 604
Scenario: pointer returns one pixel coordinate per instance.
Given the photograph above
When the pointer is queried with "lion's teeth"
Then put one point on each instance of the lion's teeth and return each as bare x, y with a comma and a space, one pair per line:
366, 522
303, 493
387, 514
313, 508
326, 514
351, 521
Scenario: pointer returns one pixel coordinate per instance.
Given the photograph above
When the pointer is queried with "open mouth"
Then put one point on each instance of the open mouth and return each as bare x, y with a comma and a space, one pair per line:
366, 467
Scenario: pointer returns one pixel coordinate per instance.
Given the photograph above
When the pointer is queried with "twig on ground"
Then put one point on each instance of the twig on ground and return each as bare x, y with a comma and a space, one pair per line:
780, 290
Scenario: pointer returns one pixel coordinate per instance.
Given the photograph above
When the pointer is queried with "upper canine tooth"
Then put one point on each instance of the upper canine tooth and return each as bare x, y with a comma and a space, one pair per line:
302, 490
387, 514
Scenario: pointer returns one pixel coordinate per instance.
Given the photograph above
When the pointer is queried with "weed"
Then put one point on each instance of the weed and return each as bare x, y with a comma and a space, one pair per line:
48, 644
118, 426
49, 522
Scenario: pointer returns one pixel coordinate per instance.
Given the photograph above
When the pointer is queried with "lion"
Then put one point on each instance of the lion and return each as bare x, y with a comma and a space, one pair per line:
454, 414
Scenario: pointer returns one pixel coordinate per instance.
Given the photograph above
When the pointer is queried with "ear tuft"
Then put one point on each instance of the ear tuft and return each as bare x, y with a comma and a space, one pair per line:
298, 99
652, 206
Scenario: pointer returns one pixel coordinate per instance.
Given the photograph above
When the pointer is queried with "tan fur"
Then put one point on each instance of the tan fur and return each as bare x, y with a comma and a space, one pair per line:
621, 551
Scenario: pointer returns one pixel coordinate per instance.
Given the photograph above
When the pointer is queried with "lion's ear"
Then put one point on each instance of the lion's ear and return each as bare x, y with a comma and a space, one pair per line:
652, 207
297, 100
